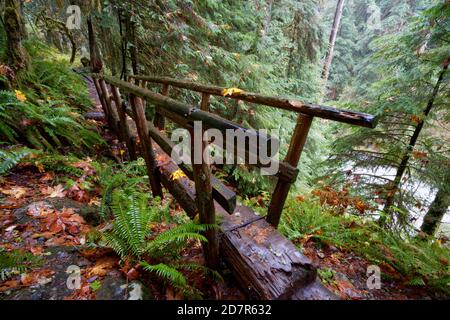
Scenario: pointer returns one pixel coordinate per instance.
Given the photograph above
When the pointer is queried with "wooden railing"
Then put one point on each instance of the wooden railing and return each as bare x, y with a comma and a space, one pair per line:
263, 276
306, 112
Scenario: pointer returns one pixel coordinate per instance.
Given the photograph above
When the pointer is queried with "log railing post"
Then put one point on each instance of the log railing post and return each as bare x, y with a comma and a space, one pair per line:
292, 157
124, 130
100, 97
204, 104
107, 101
159, 120
146, 145
204, 199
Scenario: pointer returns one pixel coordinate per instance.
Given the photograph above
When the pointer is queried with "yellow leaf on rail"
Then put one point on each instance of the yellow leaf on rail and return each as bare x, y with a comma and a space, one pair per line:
231, 91
177, 175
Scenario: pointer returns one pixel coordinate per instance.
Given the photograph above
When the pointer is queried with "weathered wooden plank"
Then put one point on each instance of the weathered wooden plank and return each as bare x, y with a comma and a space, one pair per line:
311, 109
266, 264
292, 157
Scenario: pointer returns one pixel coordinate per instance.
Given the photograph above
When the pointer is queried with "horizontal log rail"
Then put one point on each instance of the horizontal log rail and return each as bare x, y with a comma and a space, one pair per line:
311, 109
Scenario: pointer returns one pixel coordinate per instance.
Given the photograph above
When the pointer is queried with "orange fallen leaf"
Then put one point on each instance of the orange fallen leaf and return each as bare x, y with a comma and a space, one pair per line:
56, 192
17, 192
102, 267
8, 285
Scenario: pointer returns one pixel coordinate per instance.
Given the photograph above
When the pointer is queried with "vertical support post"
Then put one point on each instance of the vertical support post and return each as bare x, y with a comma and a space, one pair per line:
107, 100
159, 120
146, 143
292, 157
204, 104
123, 126
204, 199
100, 96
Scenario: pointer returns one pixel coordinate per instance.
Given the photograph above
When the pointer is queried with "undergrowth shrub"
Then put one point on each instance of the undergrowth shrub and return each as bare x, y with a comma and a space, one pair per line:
421, 262
44, 110
16, 262
10, 158
135, 213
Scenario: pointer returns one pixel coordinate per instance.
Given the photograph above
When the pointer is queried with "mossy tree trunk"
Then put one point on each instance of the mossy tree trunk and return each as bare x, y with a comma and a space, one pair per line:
436, 212
96, 61
17, 56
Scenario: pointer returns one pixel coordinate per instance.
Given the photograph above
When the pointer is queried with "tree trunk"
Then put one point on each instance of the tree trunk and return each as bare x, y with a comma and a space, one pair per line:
96, 62
15, 31
130, 27
332, 41
123, 45
267, 21
393, 187
437, 210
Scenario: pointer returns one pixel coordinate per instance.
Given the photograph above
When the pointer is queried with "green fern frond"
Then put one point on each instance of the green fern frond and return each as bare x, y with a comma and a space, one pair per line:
167, 273
15, 261
9, 160
198, 267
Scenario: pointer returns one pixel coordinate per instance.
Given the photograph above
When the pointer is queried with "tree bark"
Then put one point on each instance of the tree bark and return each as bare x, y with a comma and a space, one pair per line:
437, 210
267, 21
130, 27
393, 187
332, 41
15, 31
96, 62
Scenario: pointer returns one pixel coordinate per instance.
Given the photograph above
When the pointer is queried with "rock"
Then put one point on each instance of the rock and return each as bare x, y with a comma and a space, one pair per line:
314, 291
321, 255
90, 214
114, 287
54, 288
94, 115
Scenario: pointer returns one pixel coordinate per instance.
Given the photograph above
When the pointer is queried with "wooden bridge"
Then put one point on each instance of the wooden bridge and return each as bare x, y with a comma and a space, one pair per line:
265, 263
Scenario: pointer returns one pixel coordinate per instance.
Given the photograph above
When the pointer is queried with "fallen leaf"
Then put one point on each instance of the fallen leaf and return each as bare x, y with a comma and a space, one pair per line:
231, 91
56, 192
36, 250
20, 96
8, 285
176, 175
102, 267
17, 192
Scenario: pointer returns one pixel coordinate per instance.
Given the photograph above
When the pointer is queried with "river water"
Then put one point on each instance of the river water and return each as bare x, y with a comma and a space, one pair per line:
420, 190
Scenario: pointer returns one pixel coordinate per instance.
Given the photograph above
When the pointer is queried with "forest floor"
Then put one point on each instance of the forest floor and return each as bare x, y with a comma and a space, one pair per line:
39, 216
